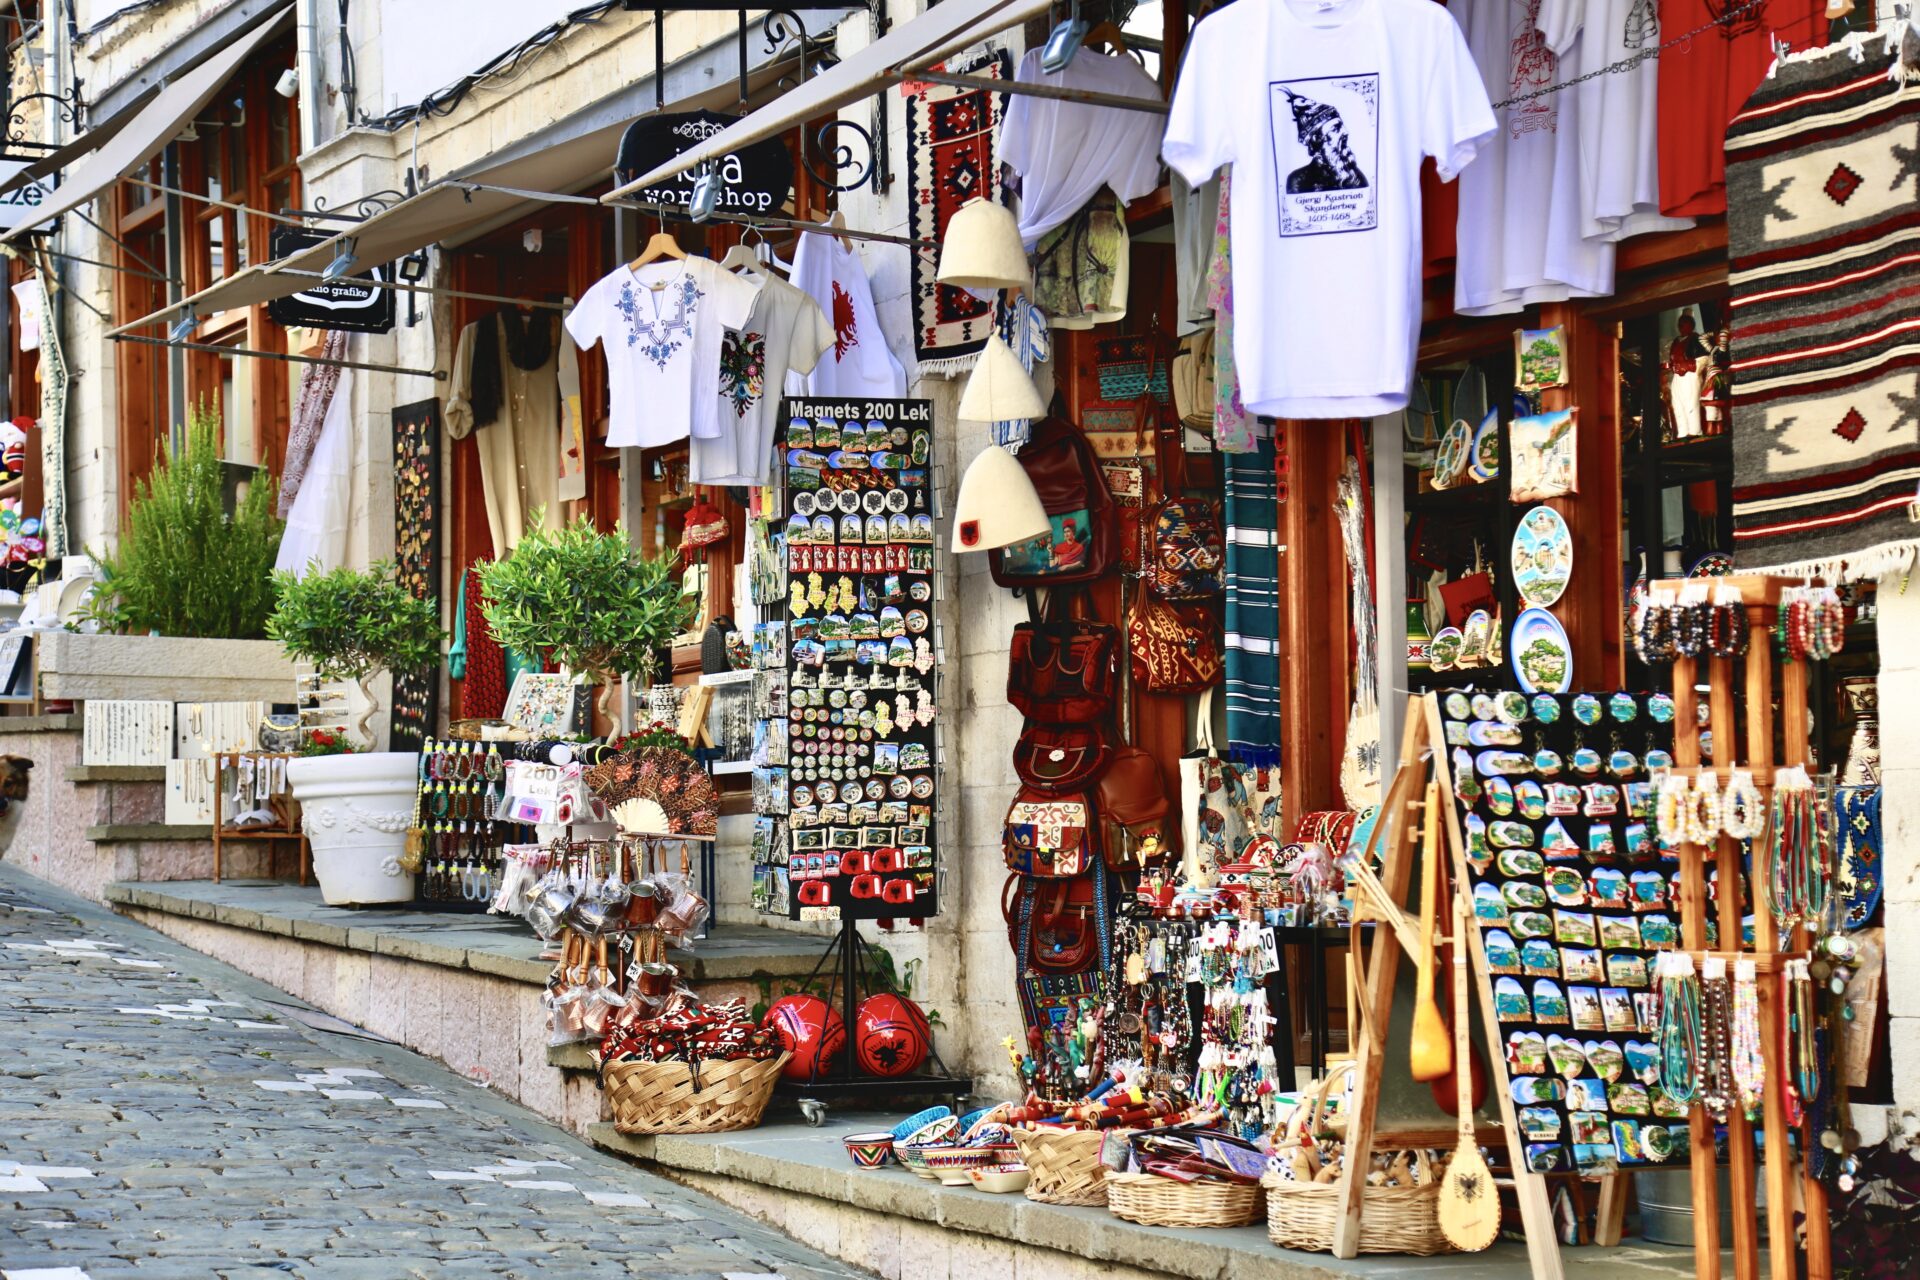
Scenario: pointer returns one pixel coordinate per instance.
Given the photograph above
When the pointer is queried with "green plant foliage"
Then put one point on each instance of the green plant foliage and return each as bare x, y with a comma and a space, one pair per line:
183, 567
350, 623
590, 599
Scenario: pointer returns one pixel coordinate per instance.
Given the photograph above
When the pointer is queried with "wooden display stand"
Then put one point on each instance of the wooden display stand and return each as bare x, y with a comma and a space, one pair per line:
1392, 935
288, 828
1770, 950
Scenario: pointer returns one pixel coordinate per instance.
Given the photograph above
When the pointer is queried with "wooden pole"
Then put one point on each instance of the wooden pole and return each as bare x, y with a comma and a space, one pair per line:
1795, 732
1693, 936
1740, 1158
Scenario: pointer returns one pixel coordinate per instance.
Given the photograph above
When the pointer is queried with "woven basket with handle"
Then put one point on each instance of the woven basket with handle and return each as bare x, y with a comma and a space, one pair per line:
662, 1097
1301, 1215
1065, 1165
1154, 1201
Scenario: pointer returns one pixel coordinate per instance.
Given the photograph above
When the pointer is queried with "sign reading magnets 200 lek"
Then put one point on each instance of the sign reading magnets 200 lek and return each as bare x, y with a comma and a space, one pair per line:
861, 655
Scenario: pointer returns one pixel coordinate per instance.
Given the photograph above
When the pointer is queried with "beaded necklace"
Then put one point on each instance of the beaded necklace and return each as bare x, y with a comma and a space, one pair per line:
1716, 999
1679, 1031
1749, 1065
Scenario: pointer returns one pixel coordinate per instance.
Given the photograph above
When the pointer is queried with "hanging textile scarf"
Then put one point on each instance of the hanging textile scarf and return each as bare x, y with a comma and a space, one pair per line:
529, 344
309, 415
1234, 429
1253, 605
476, 658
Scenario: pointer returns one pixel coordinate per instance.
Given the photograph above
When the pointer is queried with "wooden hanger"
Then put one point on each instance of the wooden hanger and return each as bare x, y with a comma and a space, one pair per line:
838, 220
1105, 34
742, 255
660, 246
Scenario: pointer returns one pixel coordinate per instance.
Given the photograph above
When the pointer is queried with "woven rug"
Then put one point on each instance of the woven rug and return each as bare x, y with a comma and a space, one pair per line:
1253, 605
950, 160
1823, 175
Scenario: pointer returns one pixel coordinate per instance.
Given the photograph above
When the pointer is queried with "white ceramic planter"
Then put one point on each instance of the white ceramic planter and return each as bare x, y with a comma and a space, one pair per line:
356, 810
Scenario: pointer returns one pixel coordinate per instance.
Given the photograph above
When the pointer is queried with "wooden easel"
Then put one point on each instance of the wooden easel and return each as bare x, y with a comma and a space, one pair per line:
1770, 950
1423, 737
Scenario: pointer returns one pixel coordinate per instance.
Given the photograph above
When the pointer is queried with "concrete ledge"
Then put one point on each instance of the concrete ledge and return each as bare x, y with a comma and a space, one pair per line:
165, 668
798, 1178
86, 773
130, 832
66, 722
496, 946
571, 1057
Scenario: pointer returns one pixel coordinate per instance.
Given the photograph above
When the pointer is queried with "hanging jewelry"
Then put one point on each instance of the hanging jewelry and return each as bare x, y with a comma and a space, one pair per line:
1749, 1065
1716, 1002
1743, 814
1703, 811
1679, 1031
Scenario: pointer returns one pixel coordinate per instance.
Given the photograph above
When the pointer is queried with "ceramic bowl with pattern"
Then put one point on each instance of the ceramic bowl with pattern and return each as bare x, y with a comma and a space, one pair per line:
869, 1150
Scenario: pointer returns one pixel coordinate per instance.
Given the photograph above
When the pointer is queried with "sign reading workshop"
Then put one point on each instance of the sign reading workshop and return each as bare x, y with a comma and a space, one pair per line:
18, 206
347, 303
753, 180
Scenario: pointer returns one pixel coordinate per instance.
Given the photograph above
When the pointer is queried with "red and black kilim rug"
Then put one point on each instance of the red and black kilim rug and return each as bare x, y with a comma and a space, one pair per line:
951, 158
1823, 214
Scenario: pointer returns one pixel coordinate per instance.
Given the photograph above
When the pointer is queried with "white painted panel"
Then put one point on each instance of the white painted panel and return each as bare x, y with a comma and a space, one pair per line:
422, 50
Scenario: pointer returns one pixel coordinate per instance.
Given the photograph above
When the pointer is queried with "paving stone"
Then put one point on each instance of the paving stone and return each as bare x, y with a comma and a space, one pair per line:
184, 1140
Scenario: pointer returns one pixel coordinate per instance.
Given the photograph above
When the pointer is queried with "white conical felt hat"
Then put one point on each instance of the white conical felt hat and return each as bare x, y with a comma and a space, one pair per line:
999, 390
981, 248
998, 505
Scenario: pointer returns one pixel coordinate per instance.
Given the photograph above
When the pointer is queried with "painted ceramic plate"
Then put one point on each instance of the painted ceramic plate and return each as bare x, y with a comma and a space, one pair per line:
1445, 649
1484, 461
1542, 557
1450, 462
1714, 564
1542, 658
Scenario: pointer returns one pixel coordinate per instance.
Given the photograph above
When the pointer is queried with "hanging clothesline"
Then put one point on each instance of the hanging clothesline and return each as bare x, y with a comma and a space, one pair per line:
287, 357
680, 214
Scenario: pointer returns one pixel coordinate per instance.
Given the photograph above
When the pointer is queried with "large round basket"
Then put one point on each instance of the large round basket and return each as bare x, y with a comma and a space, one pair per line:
1154, 1201
1065, 1164
1301, 1215
666, 1097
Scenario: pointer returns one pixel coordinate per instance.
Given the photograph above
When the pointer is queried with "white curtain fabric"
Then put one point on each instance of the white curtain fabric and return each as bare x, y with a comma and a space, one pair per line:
316, 534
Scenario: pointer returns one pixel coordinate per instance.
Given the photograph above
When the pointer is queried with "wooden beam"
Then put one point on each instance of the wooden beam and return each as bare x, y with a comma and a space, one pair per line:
1702, 1165
1729, 900
1314, 630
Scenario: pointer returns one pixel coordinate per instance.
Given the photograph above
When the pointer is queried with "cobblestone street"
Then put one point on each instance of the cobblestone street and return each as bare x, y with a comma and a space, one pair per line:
162, 1115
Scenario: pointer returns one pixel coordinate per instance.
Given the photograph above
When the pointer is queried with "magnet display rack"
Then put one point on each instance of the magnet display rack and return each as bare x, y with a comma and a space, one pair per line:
1424, 739
1770, 950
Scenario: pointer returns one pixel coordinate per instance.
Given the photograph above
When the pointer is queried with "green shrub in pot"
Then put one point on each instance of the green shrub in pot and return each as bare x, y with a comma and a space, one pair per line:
352, 624
589, 599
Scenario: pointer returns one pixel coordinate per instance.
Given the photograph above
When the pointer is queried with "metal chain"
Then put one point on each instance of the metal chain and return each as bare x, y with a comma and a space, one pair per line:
1629, 63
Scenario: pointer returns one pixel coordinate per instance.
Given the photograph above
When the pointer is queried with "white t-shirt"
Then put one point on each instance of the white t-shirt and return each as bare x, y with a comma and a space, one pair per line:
661, 328
859, 364
1325, 116
1619, 148
787, 330
1065, 152
1521, 234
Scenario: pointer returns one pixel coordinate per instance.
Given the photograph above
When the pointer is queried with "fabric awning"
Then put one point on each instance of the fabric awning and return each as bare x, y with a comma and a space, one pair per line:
941, 31
151, 127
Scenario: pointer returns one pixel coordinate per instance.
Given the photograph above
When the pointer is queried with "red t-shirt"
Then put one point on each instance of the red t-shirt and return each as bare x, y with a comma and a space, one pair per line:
1705, 82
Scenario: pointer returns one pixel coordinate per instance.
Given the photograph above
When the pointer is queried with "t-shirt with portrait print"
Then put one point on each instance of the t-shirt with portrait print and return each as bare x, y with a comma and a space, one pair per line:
1325, 109
661, 328
786, 331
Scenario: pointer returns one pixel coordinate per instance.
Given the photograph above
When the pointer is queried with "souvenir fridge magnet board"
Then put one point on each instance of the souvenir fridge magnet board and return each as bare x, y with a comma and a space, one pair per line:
1542, 658
1542, 557
1540, 358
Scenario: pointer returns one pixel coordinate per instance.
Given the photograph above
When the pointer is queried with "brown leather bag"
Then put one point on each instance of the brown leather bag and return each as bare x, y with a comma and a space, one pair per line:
1135, 811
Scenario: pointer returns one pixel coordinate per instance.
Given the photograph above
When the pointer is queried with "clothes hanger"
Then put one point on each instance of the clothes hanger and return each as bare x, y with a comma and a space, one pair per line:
660, 246
742, 255
1104, 34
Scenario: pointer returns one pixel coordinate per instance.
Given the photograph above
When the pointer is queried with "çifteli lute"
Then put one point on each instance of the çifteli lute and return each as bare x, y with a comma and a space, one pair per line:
1431, 1052
1469, 1202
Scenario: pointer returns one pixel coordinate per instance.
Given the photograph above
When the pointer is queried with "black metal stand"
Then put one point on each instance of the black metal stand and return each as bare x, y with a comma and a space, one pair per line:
844, 1079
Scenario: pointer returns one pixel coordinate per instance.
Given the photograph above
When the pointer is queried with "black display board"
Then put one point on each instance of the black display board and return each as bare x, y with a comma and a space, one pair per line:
416, 557
347, 303
862, 759
754, 179
1573, 896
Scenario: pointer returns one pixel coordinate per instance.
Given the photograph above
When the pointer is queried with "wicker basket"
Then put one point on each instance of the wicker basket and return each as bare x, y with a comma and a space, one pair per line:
660, 1097
1065, 1164
1154, 1201
1301, 1215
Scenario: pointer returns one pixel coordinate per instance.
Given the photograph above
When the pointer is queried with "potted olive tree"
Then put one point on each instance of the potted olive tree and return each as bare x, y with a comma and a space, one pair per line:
355, 806
590, 599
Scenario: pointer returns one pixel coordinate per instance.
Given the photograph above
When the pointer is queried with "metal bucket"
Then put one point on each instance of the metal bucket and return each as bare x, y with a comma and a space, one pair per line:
1666, 1204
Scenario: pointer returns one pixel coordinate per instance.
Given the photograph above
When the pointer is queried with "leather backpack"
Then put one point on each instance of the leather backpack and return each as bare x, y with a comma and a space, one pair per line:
1082, 544
1050, 836
1059, 759
1056, 926
1137, 821
1188, 559
1063, 670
